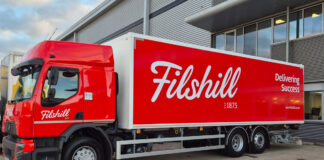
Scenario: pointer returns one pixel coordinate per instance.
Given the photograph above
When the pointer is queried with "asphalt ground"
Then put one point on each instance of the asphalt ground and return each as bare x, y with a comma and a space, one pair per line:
276, 152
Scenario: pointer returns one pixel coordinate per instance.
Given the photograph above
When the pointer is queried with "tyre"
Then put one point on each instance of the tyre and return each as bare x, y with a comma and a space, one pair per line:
237, 143
83, 148
259, 141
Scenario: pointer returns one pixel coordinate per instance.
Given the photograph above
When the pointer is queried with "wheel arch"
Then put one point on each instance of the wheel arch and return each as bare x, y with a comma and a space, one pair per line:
233, 129
91, 130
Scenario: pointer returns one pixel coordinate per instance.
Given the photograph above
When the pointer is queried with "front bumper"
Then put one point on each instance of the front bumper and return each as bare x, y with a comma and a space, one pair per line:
13, 149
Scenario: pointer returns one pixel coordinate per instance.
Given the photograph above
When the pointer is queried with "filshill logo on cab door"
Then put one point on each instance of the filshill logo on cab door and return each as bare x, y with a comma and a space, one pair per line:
224, 86
51, 114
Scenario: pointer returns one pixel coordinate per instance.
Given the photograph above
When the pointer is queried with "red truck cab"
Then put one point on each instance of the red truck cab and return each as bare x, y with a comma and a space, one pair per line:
60, 84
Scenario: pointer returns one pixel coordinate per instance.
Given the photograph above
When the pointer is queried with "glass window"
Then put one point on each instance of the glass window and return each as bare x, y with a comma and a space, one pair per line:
17, 58
230, 41
239, 40
296, 25
5, 61
280, 29
250, 40
219, 41
313, 20
24, 87
313, 105
264, 38
66, 87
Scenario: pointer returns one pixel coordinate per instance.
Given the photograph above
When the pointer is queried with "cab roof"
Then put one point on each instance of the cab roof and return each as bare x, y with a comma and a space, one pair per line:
72, 52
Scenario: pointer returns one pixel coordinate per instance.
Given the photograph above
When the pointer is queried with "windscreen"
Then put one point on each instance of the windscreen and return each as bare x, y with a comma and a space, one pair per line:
25, 85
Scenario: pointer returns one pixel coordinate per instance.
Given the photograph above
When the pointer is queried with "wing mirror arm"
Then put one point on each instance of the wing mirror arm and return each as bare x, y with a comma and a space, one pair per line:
51, 93
53, 77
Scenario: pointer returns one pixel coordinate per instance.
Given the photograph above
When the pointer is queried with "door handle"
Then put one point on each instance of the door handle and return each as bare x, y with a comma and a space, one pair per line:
78, 115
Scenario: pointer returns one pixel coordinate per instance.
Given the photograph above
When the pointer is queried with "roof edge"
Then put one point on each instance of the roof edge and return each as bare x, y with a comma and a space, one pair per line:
88, 18
214, 9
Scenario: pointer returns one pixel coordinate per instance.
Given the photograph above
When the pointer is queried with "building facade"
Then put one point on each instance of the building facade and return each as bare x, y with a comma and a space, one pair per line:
287, 30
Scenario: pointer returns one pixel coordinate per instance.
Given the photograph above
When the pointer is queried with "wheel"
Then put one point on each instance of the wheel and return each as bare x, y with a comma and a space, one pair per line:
259, 141
83, 148
237, 143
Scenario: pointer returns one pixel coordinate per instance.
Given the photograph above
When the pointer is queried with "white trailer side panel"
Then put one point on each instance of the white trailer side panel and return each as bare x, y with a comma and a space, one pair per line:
123, 57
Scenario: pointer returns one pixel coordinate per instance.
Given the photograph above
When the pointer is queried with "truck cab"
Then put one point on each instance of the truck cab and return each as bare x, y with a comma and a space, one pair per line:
60, 84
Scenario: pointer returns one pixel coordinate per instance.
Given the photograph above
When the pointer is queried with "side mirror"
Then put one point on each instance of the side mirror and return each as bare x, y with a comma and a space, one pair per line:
15, 71
53, 77
51, 93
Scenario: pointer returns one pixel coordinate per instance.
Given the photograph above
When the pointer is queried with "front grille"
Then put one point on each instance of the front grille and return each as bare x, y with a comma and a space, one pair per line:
11, 128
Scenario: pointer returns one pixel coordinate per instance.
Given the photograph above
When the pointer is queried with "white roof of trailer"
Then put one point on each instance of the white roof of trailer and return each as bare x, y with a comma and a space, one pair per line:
141, 36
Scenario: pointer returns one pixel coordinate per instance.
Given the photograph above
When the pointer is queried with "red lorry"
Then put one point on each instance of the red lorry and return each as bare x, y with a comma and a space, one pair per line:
137, 95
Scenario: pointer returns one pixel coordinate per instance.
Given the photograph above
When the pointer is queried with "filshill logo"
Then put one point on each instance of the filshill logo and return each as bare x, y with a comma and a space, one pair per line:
224, 86
49, 114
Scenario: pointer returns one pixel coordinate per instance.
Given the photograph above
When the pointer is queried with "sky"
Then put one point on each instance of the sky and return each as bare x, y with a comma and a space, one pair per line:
24, 23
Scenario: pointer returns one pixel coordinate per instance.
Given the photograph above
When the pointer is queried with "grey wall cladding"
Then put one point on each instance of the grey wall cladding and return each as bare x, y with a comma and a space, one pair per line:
70, 38
215, 2
307, 51
135, 29
123, 14
314, 132
171, 24
278, 52
158, 4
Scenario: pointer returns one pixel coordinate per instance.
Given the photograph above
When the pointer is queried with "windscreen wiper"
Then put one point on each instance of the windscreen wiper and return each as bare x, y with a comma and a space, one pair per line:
16, 100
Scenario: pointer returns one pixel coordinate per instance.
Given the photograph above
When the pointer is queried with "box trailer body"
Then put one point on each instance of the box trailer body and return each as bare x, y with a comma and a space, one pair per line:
7, 80
170, 84
126, 96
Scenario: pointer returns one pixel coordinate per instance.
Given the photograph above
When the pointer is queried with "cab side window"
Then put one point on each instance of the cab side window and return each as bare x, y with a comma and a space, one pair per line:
60, 85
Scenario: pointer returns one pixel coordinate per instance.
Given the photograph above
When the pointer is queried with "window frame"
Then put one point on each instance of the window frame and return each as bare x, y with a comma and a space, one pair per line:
271, 17
61, 69
225, 40
242, 39
257, 36
303, 16
322, 107
215, 41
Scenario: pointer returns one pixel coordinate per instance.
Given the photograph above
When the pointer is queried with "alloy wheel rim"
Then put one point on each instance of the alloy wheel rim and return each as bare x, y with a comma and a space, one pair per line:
259, 140
237, 142
84, 153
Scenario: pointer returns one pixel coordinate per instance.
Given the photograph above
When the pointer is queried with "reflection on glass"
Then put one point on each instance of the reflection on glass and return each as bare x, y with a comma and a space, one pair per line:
280, 29
313, 20
230, 41
220, 41
250, 40
66, 87
313, 105
239, 40
264, 38
296, 25
24, 87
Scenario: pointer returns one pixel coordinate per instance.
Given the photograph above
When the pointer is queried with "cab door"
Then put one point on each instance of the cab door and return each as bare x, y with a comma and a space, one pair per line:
59, 103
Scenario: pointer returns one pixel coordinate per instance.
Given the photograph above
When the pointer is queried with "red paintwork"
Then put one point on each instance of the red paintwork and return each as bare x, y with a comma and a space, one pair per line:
29, 145
258, 98
96, 66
